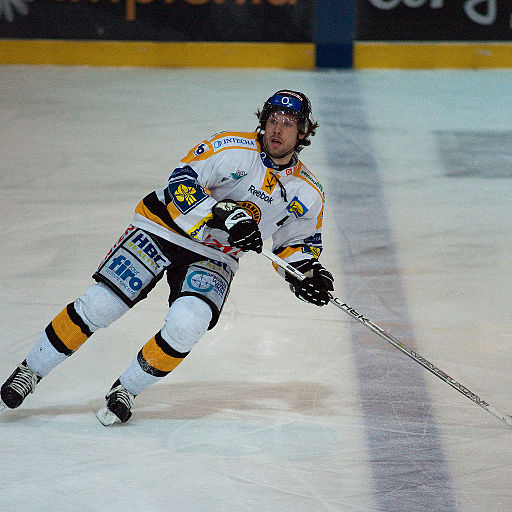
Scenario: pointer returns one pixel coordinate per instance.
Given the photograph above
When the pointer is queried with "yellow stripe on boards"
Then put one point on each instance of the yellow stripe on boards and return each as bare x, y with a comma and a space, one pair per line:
432, 55
157, 54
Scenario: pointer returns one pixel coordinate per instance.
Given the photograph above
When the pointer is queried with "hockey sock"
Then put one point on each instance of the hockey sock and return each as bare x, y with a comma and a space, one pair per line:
67, 331
43, 357
155, 360
63, 336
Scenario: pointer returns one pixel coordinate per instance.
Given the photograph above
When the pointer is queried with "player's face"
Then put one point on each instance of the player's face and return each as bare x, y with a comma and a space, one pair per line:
280, 137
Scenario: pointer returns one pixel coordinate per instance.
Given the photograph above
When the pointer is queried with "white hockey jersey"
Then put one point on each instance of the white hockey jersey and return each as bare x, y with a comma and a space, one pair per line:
287, 203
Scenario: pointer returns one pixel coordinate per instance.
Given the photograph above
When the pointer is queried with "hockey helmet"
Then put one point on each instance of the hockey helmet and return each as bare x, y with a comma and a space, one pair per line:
291, 102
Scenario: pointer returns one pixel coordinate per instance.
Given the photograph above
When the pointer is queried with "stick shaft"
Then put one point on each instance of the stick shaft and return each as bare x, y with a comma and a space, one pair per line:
505, 418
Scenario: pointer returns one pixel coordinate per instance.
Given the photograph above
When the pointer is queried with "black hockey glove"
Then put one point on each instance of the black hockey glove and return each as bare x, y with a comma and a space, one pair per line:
241, 227
317, 285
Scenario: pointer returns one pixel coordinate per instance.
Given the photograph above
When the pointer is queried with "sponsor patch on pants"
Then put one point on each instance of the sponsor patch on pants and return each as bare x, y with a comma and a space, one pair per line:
210, 279
134, 263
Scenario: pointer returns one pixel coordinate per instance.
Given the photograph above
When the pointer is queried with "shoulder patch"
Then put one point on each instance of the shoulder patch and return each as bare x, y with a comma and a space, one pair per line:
185, 191
297, 208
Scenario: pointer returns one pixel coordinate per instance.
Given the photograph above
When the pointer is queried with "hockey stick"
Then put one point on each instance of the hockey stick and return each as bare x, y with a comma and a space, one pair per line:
505, 418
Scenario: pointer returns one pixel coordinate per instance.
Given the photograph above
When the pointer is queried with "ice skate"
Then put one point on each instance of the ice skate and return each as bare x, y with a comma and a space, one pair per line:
18, 386
118, 406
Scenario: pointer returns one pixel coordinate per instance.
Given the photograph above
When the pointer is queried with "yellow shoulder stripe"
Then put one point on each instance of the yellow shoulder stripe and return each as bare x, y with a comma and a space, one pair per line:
305, 174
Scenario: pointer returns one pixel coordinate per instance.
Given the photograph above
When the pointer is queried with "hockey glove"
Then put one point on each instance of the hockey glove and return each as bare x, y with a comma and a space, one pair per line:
316, 286
242, 229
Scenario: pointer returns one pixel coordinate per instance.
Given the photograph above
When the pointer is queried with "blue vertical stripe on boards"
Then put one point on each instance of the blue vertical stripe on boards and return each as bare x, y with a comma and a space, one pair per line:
334, 33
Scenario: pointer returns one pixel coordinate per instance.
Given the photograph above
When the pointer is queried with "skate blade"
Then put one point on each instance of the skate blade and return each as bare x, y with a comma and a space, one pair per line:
107, 417
2, 406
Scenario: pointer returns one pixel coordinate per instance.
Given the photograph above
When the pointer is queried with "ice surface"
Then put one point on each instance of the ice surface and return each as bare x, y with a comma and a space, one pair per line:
284, 406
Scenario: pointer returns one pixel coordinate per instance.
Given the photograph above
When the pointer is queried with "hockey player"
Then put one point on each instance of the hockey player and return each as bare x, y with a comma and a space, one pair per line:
226, 196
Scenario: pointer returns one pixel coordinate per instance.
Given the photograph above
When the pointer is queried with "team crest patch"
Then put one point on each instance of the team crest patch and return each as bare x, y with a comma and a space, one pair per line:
185, 191
251, 209
185, 194
296, 207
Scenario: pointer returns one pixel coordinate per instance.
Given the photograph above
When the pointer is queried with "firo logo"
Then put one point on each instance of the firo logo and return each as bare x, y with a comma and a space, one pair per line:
121, 267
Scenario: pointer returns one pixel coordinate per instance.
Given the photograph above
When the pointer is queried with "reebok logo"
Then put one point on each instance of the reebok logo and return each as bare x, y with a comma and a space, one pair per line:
260, 194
